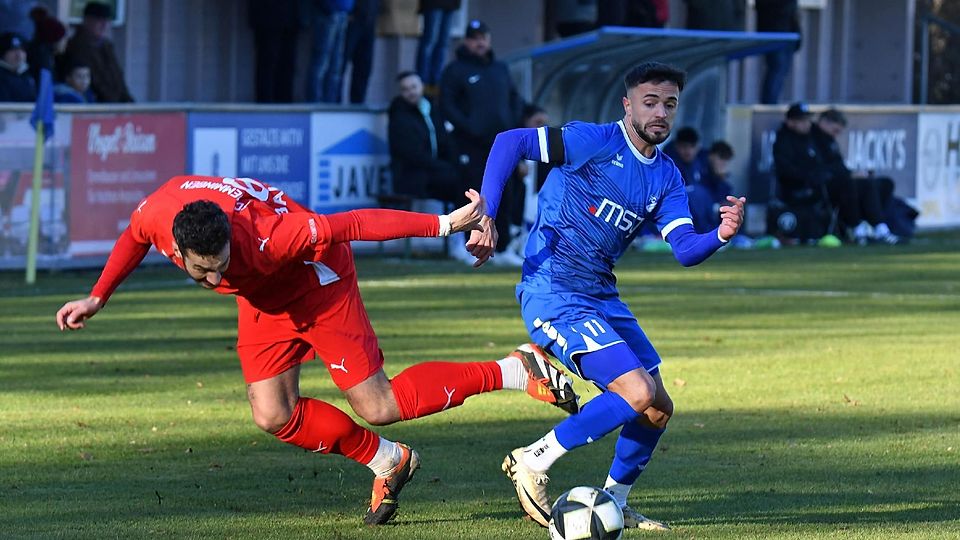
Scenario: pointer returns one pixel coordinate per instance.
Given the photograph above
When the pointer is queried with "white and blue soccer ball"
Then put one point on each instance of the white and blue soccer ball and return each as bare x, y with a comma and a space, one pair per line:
586, 513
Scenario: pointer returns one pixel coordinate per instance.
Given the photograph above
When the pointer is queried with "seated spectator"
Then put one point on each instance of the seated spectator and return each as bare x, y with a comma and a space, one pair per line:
91, 47
16, 84
75, 87
422, 157
47, 42
864, 217
802, 177
687, 155
707, 195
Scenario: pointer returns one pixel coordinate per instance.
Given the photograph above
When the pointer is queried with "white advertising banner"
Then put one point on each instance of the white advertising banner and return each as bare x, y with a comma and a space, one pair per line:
938, 170
349, 160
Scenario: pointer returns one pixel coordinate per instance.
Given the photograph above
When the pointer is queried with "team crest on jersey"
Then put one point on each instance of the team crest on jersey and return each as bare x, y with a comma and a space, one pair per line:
652, 204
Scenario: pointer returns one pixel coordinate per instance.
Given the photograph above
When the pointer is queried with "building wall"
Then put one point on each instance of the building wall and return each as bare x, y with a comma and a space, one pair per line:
854, 51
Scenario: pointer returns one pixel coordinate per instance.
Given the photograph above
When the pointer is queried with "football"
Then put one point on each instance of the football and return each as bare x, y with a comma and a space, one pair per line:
587, 513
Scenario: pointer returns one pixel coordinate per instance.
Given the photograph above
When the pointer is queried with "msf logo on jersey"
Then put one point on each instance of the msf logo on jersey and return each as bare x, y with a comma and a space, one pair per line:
617, 215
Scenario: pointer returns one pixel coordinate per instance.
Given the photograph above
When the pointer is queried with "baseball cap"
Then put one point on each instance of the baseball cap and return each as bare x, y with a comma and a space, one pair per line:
476, 27
10, 40
798, 111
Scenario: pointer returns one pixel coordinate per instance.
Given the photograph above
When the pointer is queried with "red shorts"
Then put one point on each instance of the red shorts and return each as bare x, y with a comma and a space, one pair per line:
337, 330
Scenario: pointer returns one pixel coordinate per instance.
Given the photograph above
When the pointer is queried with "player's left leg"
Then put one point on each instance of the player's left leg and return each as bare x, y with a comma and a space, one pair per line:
431, 387
634, 448
638, 439
345, 341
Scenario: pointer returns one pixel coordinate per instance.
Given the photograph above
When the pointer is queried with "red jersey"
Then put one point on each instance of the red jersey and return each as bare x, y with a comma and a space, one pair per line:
279, 251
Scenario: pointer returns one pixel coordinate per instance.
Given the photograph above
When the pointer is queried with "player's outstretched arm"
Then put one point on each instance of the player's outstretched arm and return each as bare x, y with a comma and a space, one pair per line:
73, 314
469, 216
690, 248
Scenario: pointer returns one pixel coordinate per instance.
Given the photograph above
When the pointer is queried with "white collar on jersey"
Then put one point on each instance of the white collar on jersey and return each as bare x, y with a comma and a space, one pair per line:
643, 159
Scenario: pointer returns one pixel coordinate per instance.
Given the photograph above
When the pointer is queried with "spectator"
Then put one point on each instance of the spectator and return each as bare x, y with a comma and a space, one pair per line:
777, 16
361, 35
710, 192
275, 25
329, 19
865, 219
422, 157
478, 97
432, 47
687, 155
575, 16
641, 13
90, 46
76, 86
726, 15
47, 43
16, 84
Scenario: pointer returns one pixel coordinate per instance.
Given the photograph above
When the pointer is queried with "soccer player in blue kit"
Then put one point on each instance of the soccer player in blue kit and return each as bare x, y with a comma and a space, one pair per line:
608, 180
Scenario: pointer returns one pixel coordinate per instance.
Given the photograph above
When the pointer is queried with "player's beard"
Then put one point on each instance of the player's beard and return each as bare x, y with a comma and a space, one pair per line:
650, 138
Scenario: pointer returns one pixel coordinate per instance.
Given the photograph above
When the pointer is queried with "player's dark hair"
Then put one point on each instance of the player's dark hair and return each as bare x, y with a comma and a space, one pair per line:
404, 74
722, 150
201, 227
687, 135
656, 73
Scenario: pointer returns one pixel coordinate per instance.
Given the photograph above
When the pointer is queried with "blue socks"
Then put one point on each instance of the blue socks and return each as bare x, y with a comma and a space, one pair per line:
600, 416
634, 448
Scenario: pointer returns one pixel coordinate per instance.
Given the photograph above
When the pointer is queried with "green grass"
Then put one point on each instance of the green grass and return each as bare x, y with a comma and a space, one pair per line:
817, 396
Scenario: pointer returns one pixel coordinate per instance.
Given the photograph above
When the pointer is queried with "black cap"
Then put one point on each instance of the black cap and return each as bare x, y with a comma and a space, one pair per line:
798, 111
10, 40
476, 27
97, 10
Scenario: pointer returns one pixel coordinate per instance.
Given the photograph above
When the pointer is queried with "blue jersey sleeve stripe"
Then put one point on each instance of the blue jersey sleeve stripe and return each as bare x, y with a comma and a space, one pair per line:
544, 149
673, 225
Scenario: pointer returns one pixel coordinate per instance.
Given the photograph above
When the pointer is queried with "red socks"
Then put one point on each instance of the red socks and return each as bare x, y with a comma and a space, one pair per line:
321, 427
432, 387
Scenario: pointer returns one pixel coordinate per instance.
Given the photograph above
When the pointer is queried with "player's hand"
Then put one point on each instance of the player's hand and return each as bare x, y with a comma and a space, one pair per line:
467, 217
482, 242
731, 217
73, 314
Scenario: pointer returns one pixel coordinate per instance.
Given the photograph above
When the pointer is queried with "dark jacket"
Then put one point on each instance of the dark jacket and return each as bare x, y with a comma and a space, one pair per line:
445, 5
412, 163
106, 75
477, 96
727, 15
16, 86
832, 157
693, 172
778, 16
802, 171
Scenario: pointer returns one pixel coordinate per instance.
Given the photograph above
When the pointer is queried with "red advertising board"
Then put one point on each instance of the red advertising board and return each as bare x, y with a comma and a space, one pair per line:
117, 160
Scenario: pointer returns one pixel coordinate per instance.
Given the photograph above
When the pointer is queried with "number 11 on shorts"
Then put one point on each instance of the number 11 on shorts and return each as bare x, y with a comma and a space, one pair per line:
594, 327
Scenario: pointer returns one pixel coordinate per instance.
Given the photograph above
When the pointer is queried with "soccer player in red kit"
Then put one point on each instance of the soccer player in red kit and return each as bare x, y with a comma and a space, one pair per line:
295, 282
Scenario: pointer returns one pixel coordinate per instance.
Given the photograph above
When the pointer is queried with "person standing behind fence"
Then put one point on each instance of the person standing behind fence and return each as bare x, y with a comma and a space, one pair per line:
777, 16
91, 46
47, 43
275, 27
329, 20
432, 47
361, 35
477, 96
75, 87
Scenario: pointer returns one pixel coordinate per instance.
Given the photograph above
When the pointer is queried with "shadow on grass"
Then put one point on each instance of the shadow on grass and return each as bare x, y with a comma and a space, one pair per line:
754, 467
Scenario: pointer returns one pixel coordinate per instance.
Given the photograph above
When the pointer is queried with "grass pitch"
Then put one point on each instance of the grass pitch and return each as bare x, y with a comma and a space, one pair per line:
817, 396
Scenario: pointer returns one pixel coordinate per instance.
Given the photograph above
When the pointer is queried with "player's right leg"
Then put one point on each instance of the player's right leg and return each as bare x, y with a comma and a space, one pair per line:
272, 373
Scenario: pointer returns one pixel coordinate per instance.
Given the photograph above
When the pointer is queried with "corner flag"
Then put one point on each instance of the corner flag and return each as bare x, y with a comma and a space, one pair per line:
42, 121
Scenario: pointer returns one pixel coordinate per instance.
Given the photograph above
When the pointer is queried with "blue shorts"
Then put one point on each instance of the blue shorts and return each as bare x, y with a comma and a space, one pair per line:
571, 324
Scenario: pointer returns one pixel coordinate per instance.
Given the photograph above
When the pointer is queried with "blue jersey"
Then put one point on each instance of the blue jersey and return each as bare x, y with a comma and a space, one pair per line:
592, 207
